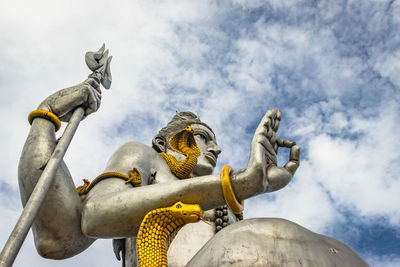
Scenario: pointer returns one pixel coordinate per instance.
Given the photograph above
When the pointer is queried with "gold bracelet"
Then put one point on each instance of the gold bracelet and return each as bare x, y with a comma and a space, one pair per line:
227, 190
45, 115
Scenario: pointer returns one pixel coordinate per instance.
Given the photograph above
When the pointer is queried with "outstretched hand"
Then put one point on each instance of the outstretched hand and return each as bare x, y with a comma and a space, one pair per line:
263, 155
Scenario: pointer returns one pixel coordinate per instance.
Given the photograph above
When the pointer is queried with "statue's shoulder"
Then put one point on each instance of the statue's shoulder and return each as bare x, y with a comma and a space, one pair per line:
127, 157
133, 155
131, 149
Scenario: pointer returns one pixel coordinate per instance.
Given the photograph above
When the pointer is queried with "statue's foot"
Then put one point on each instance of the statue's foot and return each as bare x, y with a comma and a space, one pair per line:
274, 242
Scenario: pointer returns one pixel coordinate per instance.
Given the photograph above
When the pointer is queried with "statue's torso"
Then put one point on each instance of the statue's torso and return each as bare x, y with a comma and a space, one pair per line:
154, 170
188, 241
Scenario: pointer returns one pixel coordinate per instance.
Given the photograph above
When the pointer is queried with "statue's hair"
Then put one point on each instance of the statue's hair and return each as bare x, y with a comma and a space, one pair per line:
180, 121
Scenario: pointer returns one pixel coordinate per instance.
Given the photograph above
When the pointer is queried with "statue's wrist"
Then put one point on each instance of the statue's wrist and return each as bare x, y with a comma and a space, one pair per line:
47, 115
244, 184
44, 106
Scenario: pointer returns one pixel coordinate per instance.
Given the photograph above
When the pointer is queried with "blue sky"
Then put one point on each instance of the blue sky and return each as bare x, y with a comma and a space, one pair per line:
330, 66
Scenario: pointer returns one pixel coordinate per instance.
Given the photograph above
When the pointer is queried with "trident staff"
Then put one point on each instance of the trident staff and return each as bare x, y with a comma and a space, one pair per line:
99, 63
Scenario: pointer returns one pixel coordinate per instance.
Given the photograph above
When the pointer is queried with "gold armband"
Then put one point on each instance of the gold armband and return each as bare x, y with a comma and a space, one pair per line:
227, 190
45, 115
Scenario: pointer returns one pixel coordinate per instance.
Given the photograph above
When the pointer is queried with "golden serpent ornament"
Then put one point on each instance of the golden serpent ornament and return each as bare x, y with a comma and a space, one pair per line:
134, 178
183, 142
158, 229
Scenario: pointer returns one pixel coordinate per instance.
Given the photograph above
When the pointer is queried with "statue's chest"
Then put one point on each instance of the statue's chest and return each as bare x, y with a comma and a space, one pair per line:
185, 245
189, 240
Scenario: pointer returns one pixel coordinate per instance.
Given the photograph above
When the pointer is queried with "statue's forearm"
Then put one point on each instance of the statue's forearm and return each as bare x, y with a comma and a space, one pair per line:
37, 150
120, 214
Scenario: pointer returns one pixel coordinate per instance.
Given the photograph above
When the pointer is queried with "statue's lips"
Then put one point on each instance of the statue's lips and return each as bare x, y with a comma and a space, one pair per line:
211, 158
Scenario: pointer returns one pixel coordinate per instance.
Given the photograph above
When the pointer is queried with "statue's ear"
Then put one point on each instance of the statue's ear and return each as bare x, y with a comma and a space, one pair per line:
159, 144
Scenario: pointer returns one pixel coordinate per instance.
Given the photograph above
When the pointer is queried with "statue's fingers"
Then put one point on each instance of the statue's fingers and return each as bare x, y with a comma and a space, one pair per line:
271, 123
269, 133
276, 125
265, 125
267, 119
94, 84
278, 115
266, 129
294, 154
272, 137
271, 113
294, 160
92, 103
285, 143
96, 94
277, 120
268, 148
274, 117
98, 99
262, 139
276, 147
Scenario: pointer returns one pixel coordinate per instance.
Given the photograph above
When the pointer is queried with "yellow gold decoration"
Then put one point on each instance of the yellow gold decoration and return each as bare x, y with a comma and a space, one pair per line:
183, 142
227, 190
158, 229
45, 115
134, 178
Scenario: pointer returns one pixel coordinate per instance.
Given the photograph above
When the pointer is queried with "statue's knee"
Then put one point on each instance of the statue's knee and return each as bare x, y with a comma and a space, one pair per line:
49, 249
58, 249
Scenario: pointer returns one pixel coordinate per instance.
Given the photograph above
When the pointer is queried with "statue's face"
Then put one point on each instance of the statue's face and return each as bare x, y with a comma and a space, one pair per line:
205, 140
209, 149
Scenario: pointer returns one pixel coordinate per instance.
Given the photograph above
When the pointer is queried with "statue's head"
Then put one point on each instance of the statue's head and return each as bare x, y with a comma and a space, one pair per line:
204, 137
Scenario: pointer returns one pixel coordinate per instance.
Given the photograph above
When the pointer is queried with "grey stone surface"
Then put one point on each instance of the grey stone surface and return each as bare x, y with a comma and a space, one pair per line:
274, 242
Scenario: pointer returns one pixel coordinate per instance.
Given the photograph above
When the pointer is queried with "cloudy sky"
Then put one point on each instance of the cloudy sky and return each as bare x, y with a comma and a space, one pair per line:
332, 67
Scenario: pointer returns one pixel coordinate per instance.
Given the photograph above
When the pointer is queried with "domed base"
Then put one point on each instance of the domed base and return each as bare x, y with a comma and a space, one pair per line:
274, 242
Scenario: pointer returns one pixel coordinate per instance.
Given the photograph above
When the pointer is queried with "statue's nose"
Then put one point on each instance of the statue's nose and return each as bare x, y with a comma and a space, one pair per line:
214, 148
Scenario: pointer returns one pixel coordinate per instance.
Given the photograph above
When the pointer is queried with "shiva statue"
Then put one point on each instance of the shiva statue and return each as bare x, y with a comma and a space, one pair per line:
162, 204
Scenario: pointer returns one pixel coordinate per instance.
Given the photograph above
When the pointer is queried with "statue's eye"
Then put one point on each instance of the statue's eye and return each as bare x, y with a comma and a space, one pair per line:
178, 206
184, 213
202, 136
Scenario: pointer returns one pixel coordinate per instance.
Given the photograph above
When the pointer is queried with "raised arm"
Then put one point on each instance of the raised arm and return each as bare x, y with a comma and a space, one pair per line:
115, 209
56, 228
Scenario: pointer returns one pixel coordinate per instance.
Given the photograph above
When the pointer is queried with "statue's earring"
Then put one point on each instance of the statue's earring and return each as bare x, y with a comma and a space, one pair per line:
159, 144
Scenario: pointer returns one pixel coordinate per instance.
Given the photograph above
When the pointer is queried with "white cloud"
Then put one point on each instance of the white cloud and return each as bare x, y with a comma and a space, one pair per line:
362, 174
383, 261
303, 202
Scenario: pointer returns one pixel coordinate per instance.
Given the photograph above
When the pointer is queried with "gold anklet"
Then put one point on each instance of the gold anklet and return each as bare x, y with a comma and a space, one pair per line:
45, 115
230, 198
